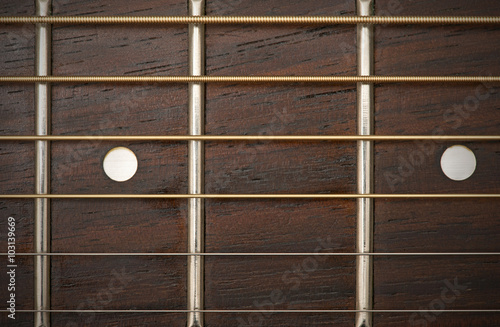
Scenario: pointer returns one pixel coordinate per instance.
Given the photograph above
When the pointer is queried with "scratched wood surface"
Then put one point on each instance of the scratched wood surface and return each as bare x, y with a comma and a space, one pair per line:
253, 283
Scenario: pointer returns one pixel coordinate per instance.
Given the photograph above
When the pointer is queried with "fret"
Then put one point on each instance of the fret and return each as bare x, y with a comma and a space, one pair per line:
365, 109
42, 159
196, 170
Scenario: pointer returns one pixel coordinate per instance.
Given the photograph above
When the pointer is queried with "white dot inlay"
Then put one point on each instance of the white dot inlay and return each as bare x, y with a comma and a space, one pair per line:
120, 164
458, 162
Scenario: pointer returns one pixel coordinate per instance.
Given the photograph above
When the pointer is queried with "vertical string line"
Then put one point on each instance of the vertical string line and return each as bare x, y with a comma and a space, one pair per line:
42, 168
196, 210
365, 104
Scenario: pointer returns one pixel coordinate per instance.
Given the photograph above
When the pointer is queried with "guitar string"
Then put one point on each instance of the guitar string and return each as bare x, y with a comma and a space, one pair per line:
340, 138
323, 20
250, 79
255, 196
261, 310
257, 254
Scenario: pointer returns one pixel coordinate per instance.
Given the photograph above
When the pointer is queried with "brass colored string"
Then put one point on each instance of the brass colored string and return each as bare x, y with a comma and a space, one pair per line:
93, 311
252, 254
250, 79
250, 138
248, 196
308, 20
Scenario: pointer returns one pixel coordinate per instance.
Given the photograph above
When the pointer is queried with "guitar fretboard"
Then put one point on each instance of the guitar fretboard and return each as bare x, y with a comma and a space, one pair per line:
215, 163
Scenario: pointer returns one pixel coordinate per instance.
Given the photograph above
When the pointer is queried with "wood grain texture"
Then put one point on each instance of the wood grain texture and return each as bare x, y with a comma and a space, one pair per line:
436, 225
17, 57
280, 167
255, 283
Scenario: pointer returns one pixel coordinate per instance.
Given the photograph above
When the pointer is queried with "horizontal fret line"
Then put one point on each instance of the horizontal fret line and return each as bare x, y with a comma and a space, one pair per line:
249, 79
249, 196
22, 138
308, 20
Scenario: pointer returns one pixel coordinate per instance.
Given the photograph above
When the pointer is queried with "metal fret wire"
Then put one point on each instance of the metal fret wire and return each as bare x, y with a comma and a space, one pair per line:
196, 170
231, 79
42, 224
323, 20
365, 103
